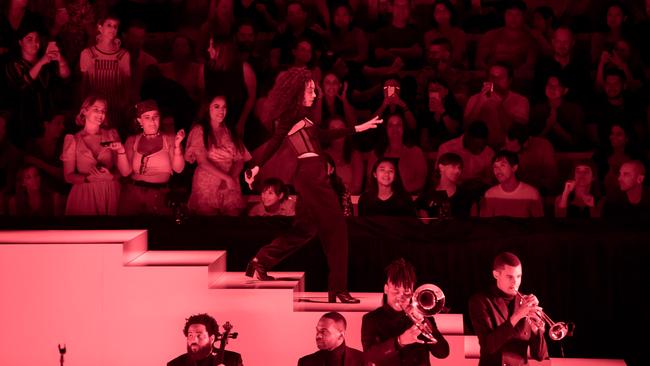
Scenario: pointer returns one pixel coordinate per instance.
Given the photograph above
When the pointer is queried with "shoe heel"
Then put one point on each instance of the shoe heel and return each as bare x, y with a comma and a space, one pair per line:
331, 297
250, 269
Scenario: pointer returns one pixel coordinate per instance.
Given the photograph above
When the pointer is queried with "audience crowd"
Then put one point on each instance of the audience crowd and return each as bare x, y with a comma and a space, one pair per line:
499, 108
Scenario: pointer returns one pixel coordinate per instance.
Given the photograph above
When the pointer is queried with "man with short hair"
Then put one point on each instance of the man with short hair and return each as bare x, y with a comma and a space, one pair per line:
472, 148
497, 105
510, 197
506, 322
388, 335
330, 340
537, 164
201, 331
634, 199
135, 36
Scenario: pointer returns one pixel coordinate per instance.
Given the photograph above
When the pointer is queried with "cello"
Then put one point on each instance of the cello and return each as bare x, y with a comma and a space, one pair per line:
223, 341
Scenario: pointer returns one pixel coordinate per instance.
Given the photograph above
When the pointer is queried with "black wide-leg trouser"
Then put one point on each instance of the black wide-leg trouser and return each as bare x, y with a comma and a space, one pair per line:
318, 214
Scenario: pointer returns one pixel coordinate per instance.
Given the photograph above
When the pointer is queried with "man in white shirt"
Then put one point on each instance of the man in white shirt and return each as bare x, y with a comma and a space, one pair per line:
497, 105
510, 197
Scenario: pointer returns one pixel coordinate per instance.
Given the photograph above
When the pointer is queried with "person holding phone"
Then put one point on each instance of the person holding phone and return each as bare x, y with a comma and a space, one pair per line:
440, 120
153, 157
33, 79
393, 103
90, 158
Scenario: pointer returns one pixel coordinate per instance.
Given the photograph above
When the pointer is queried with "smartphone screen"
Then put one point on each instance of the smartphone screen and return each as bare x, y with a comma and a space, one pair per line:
105, 143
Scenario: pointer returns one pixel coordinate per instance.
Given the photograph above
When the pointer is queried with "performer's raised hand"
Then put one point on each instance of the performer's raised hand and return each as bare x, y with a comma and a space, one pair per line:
250, 174
373, 123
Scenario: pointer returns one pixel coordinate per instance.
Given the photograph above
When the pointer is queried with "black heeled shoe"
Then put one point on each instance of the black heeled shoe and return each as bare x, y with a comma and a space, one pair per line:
343, 297
257, 271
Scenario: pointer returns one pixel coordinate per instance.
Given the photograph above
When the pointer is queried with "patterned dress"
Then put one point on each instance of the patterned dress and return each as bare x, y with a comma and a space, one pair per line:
210, 196
109, 75
91, 198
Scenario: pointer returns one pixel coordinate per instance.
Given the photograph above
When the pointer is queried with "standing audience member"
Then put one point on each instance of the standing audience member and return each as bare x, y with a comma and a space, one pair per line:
220, 154
510, 197
497, 105
274, 200
9, 161
33, 198
182, 68
106, 70
297, 27
134, 38
33, 83
388, 335
410, 158
347, 42
224, 73
615, 28
508, 325
348, 161
633, 201
385, 195
335, 101
90, 158
400, 40
445, 25
581, 196
44, 152
537, 164
342, 192
440, 120
330, 340
153, 157
445, 198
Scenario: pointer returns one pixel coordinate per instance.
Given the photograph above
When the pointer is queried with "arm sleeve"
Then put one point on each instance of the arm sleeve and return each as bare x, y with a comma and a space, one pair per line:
490, 339
440, 349
274, 143
195, 144
69, 147
375, 350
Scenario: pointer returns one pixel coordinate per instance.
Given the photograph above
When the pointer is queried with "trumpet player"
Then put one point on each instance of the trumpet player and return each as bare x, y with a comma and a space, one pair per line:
506, 322
388, 335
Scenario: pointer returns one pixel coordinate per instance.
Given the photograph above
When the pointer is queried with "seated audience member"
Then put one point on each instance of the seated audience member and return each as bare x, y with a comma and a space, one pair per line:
477, 156
347, 41
297, 27
153, 157
90, 158
622, 58
633, 201
183, 67
510, 197
342, 192
274, 200
507, 324
9, 159
330, 340
33, 198
348, 161
445, 198
334, 102
497, 105
614, 106
569, 66
410, 158
542, 29
388, 335
615, 28
440, 120
33, 81
581, 196
558, 120
512, 43
620, 148
385, 195
302, 54
220, 156
44, 152
438, 65
445, 25
398, 40
201, 331
537, 165
393, 103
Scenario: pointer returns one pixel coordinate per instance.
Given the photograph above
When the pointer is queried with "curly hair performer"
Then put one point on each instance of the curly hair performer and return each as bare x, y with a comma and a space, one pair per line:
317, 212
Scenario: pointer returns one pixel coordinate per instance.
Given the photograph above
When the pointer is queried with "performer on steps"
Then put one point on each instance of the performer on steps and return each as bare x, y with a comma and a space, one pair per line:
317, 211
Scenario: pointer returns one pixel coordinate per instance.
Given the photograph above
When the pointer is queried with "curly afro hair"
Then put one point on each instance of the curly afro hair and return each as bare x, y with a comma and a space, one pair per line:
285, 100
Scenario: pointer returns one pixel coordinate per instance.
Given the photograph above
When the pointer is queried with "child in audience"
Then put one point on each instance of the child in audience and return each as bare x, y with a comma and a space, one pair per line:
274, 200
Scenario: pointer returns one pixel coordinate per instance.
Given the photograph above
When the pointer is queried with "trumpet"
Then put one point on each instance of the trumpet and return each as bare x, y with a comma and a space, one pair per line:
427, 300
556, 330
